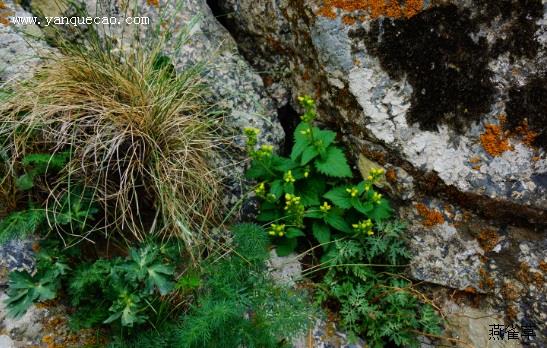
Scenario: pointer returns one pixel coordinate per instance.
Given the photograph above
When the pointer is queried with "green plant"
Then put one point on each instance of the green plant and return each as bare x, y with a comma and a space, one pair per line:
104, 291
140, 134
39, 164
26, 289
238, 304
311, 193
374, 299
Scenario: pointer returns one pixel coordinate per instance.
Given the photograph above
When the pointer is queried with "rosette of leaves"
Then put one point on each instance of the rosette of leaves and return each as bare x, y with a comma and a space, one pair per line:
312, 192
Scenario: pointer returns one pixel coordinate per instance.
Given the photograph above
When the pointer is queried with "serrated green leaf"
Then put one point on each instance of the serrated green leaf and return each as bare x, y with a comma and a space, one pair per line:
282, 164
339, 196
334, 163
309, 153
309, 191
321, 232
256, 171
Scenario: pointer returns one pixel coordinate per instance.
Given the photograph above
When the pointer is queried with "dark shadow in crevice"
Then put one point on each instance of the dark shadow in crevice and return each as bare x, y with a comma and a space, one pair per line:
288, 117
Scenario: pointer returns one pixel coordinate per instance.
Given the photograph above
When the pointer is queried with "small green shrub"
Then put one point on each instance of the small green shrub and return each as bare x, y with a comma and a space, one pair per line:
375, 300
118, 290
238, 304
313, 193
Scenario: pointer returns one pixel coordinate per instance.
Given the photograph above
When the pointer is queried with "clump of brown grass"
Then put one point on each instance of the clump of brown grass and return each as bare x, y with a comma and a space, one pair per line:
140, 136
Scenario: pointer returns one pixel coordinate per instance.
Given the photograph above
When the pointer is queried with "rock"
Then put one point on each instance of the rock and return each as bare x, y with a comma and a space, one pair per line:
285, 270
20, 45
28, 328
6, 342
448, 97
474, 326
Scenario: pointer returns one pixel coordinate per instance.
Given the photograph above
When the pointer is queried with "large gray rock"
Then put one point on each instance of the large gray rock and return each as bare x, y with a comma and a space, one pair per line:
450, 97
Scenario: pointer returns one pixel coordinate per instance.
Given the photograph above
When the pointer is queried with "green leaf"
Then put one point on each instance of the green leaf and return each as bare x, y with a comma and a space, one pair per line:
337, 221
339, 196
309, 190
322, 139
269, 215
276, 188
334, 164
321, 232
127, 308
286, 246
294, 232
314, 213
256, 171
309, 153
362, 207
301, 141
282, 164
25, 289
159, 275
381, 211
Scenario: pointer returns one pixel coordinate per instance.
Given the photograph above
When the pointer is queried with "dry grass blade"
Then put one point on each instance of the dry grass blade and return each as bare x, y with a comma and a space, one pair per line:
140, 135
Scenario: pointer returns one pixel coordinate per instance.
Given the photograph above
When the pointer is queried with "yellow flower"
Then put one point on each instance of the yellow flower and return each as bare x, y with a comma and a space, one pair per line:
325, 207
376, 197
288, 177
306, 132
251, 132
260, 190
353, 191
364, 226
278, 230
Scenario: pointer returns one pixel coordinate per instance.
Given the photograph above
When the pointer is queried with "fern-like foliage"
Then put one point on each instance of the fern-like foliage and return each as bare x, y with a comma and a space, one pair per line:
238, 304
374, 302
21, 224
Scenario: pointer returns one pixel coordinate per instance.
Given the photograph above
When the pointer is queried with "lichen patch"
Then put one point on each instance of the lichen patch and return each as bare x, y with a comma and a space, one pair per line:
431, 217
375, 8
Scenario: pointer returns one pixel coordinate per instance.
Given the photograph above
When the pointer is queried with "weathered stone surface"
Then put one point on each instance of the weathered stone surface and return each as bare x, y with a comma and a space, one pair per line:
20, 47
449, 97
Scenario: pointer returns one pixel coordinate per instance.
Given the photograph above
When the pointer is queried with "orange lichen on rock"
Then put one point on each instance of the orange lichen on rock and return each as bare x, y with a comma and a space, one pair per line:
488, 239
487, 282
509, 292
525, 135
391, 175
5, 13
431, 216
375, 8
494, 140
348, 20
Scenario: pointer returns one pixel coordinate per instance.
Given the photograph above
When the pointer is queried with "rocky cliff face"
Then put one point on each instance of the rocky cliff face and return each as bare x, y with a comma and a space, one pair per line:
449, 96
